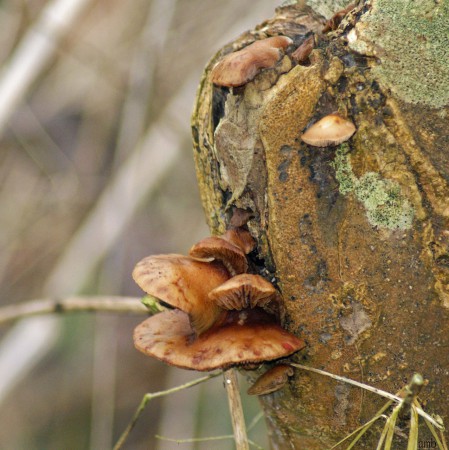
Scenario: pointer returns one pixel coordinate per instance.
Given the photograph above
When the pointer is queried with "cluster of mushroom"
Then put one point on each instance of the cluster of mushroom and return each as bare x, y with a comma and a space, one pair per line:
218, 315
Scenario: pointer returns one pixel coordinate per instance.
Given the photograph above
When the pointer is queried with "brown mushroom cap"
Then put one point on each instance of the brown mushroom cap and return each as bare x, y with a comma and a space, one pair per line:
240, 67
243, 291
330, 130
302, 53
241, 338
214, 247
272, 380
241, 238
183, 283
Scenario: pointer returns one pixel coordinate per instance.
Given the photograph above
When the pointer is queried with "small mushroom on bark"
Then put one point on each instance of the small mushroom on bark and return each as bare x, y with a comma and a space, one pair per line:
239, 338
240, 67
333, 23
214, 247
243, 291
272, 380
230, 249
301, 54
183, 283
330, 130
241, 238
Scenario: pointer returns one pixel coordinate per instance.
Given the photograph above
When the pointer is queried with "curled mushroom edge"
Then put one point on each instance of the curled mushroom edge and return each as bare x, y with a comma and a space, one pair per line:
240, 67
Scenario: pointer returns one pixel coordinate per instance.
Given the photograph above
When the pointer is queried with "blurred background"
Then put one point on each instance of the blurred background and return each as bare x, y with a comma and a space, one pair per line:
96, 172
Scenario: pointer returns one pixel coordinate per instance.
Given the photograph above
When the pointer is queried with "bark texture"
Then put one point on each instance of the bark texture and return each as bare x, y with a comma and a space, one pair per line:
356, 236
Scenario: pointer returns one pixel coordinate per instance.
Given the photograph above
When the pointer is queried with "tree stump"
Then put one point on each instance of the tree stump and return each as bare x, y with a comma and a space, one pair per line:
355, 236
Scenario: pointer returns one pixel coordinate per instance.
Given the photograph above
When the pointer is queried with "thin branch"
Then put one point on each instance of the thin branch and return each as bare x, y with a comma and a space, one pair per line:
255, 420
205, 439
349, 381
131, 305
236, 409
148, 397
412, 390
190, 440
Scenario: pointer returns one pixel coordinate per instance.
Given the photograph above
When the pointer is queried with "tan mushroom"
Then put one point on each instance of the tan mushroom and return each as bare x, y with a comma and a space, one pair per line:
333, 23
301, 54
243, 291
241, 238
330, 130
241, 338
214, 247
240, 67
240, 217
184, 283
272, 380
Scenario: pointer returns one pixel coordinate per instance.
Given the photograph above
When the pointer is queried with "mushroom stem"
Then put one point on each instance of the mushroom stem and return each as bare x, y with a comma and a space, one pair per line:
236, 410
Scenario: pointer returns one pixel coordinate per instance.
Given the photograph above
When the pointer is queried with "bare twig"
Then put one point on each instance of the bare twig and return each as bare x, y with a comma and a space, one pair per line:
412, 390
206, 439
150, 396
235, 406
71, 304
189, 440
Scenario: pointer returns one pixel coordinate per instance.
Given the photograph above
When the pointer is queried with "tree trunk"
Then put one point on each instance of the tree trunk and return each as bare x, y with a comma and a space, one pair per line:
355, 236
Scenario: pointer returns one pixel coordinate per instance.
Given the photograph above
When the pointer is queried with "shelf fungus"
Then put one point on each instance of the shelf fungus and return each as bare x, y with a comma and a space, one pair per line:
208, 328
230, 249
240, 67
329, 131
184, 283
272, 380
238, 338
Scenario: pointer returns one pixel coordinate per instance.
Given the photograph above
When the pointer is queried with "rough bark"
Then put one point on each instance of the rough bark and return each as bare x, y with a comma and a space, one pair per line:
356, 237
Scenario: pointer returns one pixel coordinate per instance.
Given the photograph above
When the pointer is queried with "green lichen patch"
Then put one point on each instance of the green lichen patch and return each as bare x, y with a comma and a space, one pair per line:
411, 40
385, 205
343, 170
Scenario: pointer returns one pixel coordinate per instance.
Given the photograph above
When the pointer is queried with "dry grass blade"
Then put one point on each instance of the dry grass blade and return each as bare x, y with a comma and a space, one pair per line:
413, 434
364, 428
255, 421
207, 439
390, 426
369, 388
386, 438
442, 445
361, 431
148, 397
382, 436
